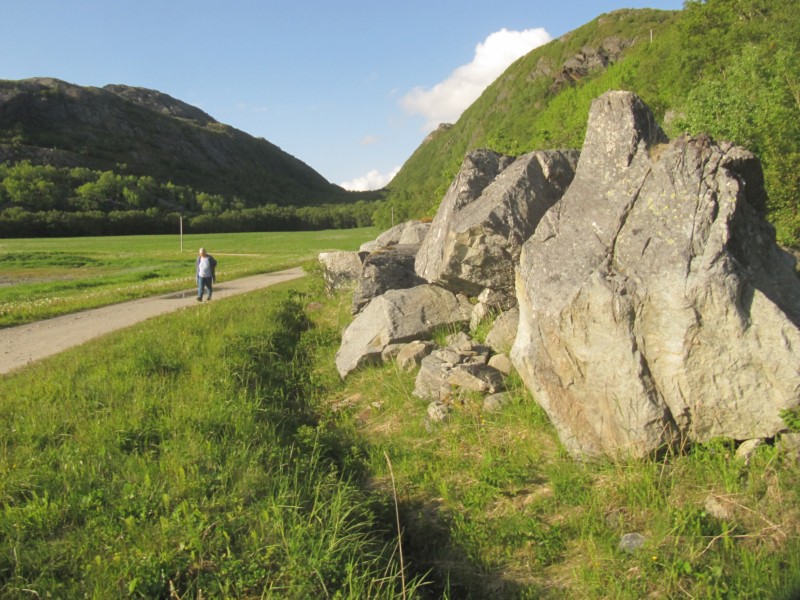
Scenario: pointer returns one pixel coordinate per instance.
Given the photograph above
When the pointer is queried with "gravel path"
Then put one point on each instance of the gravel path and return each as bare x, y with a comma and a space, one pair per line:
22, 345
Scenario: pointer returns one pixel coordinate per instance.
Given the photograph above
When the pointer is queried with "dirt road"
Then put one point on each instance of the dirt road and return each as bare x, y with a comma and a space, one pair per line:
25, 344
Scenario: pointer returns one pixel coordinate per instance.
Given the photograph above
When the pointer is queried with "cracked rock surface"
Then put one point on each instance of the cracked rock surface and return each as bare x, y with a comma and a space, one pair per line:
654, 303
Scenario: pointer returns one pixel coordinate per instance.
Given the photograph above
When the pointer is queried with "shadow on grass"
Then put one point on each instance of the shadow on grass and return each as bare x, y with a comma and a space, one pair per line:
452, 571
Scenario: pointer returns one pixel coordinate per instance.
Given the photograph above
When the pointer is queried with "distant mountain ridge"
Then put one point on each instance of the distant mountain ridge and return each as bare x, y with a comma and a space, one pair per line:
140, 131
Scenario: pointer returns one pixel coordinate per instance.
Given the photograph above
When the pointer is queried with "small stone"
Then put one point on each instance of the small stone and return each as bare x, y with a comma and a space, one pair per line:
476, 378
789, 444
746, 449
496, 402
459, 341
717, 509
438, 411
346, 403
502, 363
390, 352
631, 542
411, 355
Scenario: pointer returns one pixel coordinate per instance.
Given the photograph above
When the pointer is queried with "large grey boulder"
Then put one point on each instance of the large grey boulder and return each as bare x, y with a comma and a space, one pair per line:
654, 303
414, 232
341, 270
490, 210
398, 316
386, 268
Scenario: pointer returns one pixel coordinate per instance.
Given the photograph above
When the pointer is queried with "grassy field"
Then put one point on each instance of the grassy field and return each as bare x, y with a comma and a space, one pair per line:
41, 278
215, 453
179, 460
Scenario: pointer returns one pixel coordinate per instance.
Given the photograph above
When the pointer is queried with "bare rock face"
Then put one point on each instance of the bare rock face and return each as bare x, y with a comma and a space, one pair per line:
490, 210
409, 232
590, 60
398, 316
341, 269
386, 268
504, 330
654, 303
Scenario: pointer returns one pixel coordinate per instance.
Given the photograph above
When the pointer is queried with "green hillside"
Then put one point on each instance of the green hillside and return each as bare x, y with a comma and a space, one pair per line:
727, 68
120, 160
135, 131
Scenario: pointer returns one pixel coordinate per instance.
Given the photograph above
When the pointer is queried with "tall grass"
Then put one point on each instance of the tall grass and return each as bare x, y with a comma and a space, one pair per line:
493, 506
215, 453
181, 460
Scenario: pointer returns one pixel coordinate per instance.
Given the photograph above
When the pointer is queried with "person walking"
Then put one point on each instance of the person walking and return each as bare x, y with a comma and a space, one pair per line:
205, 268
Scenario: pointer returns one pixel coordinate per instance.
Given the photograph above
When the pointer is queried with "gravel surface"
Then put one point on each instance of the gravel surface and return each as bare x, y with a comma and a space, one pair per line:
22, 345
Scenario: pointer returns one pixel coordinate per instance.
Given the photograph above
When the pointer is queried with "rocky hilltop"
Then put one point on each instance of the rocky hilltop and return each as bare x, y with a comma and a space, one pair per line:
642, 296
146, 132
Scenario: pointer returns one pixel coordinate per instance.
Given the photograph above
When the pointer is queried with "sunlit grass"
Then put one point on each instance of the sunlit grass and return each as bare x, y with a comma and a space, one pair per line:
494, 506
217, 453
42, 278
181, 459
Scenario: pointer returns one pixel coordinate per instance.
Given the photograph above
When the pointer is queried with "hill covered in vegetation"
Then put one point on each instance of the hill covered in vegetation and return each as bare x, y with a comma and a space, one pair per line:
137, 131
727, 68
123, 160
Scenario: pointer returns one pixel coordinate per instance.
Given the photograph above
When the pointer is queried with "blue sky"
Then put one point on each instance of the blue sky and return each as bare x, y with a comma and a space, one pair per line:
350, 87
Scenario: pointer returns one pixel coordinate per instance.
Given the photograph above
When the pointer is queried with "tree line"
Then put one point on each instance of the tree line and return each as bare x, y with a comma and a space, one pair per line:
48, 201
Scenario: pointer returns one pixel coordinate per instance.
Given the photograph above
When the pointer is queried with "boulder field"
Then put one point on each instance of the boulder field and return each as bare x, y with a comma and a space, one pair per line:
642, 297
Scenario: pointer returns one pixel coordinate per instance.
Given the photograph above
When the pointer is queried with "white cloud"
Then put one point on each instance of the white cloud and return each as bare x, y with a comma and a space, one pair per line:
371, 181
445, 101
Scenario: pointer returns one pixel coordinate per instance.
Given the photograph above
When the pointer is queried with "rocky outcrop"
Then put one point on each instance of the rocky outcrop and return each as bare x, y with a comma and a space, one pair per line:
460, 367
489, 211
589, 60
160, 102
650, 306
654, 303
398, 316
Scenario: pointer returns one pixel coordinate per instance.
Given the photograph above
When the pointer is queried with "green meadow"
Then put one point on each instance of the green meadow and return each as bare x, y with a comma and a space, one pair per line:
42, 278
215, 453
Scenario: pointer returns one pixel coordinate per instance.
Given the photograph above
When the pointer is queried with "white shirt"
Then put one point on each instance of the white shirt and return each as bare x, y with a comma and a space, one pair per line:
204, 268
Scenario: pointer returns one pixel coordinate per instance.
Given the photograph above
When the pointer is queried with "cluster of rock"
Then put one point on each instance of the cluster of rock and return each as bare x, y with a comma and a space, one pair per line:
641, 293
589, 59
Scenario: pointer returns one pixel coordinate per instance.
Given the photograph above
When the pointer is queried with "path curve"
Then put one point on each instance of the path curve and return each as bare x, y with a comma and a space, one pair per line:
24, 344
